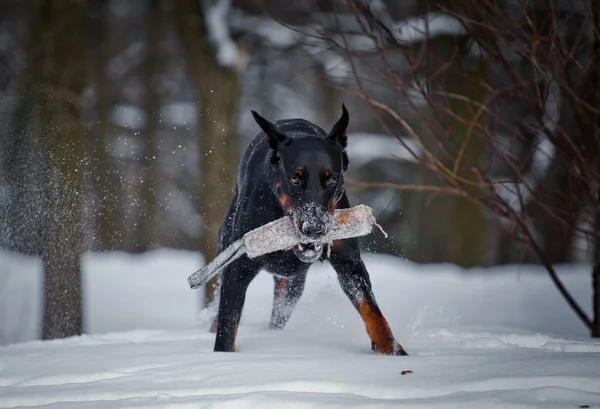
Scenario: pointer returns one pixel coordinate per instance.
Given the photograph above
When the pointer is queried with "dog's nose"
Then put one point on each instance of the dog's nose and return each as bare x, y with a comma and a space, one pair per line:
313, 231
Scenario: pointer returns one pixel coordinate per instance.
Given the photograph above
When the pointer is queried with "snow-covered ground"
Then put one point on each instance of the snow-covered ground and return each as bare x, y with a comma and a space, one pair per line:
495, 338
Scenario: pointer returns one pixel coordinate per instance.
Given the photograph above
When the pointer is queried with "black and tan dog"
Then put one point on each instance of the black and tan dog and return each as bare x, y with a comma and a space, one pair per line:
294, 168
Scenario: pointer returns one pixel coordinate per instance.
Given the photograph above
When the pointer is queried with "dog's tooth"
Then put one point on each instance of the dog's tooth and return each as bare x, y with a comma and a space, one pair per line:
301, 247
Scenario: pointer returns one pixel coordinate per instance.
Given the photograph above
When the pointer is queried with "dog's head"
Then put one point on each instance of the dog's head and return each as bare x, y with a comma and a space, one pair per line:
308, 178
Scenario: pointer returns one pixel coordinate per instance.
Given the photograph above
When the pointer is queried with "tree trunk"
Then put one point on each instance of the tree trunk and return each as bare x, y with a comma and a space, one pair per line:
147, 230
595, 131
57, 72
596, 292
217, 89
562, 192
20, 218
108, 185
452, 228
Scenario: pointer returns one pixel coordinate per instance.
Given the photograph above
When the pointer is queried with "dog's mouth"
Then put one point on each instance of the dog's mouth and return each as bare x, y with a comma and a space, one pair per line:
308, 252
312, 224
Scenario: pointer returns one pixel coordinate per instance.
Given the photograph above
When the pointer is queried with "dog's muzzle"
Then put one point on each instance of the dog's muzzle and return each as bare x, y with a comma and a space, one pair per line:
312, 222
308, 252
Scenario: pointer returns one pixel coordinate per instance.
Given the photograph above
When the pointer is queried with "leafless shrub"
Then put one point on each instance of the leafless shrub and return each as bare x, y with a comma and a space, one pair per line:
503, 100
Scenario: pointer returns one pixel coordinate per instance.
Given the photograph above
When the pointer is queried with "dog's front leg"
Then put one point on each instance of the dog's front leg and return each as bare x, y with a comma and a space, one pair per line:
354, 279
235, 281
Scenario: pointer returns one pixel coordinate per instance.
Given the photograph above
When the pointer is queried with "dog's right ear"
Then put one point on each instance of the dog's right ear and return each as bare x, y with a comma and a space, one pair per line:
274, 135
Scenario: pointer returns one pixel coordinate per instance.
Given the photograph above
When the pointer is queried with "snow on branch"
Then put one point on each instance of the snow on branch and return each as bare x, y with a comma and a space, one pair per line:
217, 26
419, 29
272, 33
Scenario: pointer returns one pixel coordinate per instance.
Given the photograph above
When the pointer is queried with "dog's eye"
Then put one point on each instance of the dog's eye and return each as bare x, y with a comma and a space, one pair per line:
331, 181
295, 180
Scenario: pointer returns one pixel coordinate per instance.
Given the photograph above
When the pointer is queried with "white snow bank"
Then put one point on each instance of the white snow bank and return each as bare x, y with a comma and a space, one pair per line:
365, 147
125, 292
304, 374
149, 291
121, 292
20, 297
459, 328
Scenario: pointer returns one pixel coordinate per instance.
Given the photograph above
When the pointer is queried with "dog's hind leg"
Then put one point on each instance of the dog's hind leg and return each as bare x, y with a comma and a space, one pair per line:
286, 295
235, 281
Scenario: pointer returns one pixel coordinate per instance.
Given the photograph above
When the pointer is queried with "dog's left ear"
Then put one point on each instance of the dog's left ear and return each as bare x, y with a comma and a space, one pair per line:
338, 132
274, 135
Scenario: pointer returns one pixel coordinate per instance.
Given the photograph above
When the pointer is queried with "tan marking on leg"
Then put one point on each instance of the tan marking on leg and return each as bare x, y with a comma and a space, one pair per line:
377, 327
234, 337
282, 285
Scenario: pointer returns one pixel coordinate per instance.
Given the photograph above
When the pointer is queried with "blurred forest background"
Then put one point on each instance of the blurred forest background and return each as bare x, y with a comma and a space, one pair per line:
475, 125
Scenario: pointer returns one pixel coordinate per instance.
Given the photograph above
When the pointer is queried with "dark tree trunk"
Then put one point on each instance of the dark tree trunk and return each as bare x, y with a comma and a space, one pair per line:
562, 193
595, 97
108, 184
218, 90
452, 228
596, 293
147, 231
20, 218
57, 73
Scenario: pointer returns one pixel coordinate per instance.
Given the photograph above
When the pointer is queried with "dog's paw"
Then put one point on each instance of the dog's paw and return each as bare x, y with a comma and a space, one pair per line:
275, 326
391, 348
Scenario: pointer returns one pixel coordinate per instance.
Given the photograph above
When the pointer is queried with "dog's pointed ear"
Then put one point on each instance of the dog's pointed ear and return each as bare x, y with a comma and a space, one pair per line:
274, 135
338, 132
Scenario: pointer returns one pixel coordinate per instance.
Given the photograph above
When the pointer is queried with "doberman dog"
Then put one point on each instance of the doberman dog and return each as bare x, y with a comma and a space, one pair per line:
294, 168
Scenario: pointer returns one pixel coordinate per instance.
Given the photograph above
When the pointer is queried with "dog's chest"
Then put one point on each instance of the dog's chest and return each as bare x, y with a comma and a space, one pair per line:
283, 263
